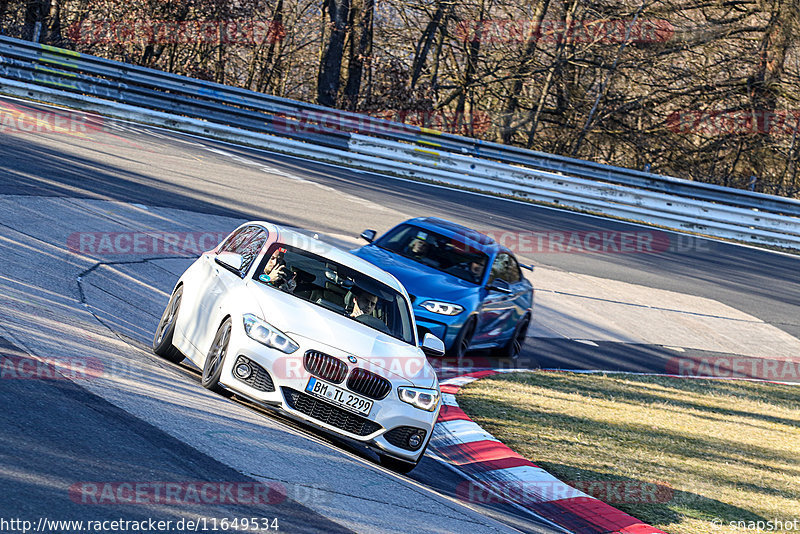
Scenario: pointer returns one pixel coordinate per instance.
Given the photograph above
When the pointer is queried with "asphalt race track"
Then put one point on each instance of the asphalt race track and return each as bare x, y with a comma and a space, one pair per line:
134, 418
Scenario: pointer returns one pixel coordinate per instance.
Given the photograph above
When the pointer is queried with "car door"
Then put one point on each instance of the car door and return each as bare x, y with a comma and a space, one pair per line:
196, 283
222, 279
497, 309
520, 296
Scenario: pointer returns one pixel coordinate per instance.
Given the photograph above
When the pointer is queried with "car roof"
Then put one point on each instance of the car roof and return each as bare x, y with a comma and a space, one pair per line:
318, 245
476, 239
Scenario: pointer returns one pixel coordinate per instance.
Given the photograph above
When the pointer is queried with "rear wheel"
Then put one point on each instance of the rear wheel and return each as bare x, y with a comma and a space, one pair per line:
513, 348
162, 341
464, 338
212, 368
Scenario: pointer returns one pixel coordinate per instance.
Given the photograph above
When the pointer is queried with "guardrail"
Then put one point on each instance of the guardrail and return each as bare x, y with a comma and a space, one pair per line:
195, 106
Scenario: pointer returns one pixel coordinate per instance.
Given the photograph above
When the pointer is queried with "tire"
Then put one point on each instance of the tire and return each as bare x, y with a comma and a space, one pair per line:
464, 338
513, 347
212, 368
162, 341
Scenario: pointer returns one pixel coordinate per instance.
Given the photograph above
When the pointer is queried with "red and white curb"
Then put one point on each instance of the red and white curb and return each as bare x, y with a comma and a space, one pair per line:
498, 474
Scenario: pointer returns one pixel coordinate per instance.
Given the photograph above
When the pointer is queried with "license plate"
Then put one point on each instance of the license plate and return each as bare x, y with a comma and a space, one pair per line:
338, 396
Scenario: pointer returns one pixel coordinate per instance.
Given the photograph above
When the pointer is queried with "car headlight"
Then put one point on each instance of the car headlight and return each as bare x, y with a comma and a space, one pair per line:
268, 335
442, 308
424, 399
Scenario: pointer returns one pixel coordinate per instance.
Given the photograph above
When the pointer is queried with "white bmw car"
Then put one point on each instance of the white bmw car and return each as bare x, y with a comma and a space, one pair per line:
287, 320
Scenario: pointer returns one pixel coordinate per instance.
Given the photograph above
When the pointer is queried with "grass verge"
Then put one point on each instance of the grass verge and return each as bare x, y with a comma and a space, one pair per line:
729, 450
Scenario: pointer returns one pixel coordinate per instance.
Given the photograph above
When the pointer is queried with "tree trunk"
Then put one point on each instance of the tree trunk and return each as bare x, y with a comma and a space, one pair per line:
360, 54
36, 11
331, 66
555, 70
53, 34
473, 56
3, 8
523, 71
766, 86
426, 40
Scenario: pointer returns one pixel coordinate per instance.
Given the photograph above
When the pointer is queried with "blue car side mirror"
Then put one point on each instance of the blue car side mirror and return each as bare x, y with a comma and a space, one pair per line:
369, 235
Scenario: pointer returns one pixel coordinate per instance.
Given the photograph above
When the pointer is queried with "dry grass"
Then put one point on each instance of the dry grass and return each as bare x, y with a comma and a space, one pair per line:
729, 449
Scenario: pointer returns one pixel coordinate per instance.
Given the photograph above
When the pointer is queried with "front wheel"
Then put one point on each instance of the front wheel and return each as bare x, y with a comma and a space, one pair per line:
212, 368
464, 338
162, 341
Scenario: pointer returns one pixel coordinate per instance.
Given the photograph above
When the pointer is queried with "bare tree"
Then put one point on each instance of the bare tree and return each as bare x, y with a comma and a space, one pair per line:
331, 64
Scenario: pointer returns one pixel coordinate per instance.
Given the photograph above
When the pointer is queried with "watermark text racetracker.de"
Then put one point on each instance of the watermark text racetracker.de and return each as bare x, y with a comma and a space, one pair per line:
194, 524
601, 31
740, 367
735, 122
183, 493
593, 241
143, 242
19, 119
166, 32
529, 492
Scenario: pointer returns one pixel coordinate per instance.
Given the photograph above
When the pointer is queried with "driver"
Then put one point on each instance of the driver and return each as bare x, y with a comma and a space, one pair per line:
277, 274
363, 303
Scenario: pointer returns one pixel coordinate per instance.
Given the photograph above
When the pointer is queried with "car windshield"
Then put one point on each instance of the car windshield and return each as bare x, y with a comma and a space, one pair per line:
338, 288
450, 255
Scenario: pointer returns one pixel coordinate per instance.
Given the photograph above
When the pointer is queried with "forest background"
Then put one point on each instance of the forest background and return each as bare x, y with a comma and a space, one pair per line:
706, 90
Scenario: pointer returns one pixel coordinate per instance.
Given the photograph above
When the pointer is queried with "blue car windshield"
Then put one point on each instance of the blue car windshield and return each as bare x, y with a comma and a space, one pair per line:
449, 255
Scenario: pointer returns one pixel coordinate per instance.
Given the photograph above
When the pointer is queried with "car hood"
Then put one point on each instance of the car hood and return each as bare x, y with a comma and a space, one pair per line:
418, 279
325, 328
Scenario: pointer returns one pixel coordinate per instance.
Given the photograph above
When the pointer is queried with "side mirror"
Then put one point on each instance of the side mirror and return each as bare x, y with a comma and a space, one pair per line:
231, 260
525, 266
368, 235
432, 345
501, 286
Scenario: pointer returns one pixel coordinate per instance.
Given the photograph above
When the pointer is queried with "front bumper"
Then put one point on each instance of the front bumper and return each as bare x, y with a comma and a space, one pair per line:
279, 380
445, 327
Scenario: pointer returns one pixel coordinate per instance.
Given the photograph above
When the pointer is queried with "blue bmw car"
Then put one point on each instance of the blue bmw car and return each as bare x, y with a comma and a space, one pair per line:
466, 289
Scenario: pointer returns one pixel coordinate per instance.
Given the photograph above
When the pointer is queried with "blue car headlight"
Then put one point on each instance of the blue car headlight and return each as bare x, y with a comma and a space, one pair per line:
442, 308
268, 335
422, 398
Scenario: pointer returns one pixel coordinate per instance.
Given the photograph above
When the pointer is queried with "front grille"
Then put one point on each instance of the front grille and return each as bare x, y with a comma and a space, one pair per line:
325, 366
329, 414
368, 384
258, 379
399, 437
